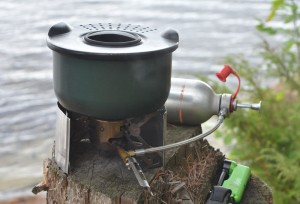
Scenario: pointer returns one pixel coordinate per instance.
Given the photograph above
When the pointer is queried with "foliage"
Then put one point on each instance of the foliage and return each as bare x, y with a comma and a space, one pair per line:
269, 142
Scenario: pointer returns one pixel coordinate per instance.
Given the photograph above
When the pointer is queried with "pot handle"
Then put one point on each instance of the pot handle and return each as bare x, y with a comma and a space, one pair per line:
59, 28
171, 34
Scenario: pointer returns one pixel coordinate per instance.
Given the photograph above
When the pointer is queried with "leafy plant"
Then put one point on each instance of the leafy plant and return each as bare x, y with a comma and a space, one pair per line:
269, 142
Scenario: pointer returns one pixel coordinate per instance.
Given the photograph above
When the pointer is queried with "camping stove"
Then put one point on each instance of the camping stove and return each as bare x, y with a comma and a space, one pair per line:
132, 133
113, 82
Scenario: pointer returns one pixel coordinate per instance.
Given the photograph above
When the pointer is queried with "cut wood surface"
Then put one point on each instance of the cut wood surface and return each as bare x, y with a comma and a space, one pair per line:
100, 177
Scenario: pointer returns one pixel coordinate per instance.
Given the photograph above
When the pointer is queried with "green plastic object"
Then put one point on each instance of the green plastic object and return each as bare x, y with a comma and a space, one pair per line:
237, 181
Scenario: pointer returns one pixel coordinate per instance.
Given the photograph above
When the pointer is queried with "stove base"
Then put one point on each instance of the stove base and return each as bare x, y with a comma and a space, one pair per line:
132, 133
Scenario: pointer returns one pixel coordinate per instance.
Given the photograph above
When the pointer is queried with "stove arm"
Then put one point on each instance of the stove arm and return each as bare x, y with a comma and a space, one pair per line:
226, 104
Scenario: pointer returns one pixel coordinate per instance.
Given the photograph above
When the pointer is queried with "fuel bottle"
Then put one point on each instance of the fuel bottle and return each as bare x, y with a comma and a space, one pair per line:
192, 102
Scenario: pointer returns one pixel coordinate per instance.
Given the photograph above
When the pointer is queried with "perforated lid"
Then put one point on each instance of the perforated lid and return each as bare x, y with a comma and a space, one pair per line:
107, 40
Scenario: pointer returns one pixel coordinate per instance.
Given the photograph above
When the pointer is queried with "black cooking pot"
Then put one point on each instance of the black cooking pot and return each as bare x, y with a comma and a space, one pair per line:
111, 71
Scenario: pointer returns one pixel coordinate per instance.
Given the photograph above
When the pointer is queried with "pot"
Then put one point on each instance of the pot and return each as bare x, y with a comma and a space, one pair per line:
111, 71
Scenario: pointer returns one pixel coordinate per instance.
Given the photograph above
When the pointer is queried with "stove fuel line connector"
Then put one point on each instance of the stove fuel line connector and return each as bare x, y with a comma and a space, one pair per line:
133, 165
192, 102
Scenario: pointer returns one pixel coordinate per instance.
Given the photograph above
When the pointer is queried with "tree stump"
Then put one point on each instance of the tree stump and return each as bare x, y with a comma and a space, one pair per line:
190, 173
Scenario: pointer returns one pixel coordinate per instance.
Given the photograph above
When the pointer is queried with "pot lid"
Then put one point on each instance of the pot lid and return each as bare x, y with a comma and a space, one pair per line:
107, 40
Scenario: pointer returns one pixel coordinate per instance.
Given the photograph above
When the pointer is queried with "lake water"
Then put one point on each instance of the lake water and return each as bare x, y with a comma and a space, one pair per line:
208, 29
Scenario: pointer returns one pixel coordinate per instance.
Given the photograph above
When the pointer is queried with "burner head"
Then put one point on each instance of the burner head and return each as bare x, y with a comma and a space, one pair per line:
104, 135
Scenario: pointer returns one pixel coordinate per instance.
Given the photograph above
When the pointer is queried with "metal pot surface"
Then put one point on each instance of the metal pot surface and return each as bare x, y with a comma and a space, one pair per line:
111, 71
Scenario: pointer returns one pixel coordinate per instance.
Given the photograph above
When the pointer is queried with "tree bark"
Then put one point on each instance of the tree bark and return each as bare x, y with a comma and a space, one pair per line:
100, 177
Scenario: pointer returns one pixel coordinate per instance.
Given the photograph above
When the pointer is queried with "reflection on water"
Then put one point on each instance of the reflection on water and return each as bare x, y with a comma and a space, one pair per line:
209, 30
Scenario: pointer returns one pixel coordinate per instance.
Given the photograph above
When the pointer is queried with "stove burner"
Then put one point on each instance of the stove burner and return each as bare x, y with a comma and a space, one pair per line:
133, 133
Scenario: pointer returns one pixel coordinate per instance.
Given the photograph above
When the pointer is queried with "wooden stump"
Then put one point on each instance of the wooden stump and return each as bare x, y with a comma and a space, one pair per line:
190, 173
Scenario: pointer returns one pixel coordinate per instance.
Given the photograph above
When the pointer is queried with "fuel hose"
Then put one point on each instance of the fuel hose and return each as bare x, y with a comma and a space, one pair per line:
140, 152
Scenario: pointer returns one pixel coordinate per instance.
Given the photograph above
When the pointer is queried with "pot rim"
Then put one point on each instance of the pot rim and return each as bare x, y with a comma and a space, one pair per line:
67, 40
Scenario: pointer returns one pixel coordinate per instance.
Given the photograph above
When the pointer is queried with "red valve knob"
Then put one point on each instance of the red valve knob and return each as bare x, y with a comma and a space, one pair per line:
224, 73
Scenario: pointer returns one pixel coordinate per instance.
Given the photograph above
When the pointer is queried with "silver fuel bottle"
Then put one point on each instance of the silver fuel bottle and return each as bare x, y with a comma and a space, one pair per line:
192, 102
